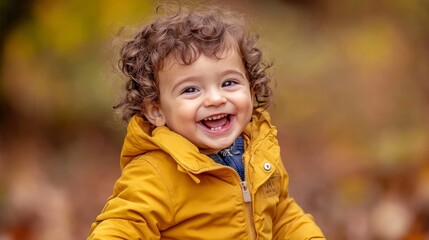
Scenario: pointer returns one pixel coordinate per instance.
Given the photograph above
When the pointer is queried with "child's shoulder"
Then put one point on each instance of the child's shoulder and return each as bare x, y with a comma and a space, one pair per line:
155, 159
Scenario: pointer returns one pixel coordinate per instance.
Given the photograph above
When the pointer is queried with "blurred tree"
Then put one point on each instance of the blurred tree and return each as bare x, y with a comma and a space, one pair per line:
12, 12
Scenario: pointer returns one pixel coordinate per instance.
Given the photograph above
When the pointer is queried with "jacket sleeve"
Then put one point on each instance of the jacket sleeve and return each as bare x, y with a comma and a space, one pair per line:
138, 209
290, 221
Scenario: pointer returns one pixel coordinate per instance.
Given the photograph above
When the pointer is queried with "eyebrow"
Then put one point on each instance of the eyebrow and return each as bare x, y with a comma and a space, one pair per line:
234, 71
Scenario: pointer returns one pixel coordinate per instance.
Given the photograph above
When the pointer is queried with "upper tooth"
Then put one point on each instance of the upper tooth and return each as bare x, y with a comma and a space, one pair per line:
215, 117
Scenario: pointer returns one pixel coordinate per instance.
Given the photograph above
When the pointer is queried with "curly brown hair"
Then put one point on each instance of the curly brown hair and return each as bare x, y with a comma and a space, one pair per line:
186, 35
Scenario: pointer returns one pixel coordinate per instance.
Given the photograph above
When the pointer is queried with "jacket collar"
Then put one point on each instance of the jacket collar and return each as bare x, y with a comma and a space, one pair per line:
140, 140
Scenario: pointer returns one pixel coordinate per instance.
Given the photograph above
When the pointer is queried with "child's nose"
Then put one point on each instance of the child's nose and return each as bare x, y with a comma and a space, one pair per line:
214, 98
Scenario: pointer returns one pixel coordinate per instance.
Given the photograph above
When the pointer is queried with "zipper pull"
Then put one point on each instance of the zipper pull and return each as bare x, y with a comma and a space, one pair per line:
246, 194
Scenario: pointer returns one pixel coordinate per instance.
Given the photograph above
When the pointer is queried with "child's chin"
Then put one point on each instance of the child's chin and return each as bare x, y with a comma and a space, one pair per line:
213, 150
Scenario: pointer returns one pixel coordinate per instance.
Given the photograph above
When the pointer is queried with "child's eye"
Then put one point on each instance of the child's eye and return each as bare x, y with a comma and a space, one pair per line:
189, 90
229, 83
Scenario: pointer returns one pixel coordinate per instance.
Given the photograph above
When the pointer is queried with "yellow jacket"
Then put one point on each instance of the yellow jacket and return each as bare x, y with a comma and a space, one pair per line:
168, 190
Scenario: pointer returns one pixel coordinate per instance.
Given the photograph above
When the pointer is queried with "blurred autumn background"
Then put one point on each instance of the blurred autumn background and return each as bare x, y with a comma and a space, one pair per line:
351, 106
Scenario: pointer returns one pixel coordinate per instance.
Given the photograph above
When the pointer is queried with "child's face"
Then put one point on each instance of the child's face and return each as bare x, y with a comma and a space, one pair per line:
208, 102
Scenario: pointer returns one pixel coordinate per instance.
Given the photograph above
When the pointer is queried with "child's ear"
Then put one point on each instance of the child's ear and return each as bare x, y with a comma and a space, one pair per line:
254, 97
154, 114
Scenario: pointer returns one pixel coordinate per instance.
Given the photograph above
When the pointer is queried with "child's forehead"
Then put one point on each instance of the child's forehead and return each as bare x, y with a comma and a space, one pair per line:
176, 57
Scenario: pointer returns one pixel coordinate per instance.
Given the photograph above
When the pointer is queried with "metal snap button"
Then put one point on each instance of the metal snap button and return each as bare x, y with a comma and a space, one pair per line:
267, 166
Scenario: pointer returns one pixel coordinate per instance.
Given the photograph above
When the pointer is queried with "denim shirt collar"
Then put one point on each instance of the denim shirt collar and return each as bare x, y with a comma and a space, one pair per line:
232, 156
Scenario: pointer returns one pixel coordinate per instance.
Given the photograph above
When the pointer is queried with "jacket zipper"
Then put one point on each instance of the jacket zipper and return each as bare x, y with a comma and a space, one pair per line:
247, 199
248, 202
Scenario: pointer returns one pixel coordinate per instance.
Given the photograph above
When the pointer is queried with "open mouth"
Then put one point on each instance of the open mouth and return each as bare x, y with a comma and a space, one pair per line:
217, 122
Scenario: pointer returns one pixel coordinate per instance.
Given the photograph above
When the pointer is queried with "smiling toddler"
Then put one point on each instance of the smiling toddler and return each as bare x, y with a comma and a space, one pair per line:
200, 159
